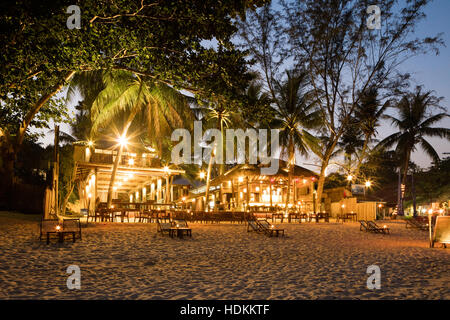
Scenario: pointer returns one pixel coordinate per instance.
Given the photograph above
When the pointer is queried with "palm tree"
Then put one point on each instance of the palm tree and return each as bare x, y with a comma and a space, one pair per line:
362, 128
126, 93
414, 124
295, 112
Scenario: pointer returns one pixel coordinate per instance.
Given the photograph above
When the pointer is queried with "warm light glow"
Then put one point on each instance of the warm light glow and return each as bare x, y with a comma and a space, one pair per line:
122, 140
90, 143
304, 181
441, 211
368, 184
380, 205
58, 228
424, 210
202, 175
240, 179
430, 211
343, 206
90, 195
166, 169
349, 177
184, 198
257, 189
385, 226
114, 188
131, 162
245, 190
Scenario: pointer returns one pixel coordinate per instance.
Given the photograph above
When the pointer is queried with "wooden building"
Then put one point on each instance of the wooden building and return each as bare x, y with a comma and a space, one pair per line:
139, 177
243, 187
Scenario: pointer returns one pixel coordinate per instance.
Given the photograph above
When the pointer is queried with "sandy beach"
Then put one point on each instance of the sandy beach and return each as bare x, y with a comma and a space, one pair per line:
221, 261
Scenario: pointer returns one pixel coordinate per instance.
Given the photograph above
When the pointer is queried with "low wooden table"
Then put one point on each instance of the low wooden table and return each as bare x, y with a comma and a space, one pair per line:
276, 232
61, 235
180, 232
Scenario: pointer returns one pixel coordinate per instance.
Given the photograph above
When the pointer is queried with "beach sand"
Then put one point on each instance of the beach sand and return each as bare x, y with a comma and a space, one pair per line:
221, 261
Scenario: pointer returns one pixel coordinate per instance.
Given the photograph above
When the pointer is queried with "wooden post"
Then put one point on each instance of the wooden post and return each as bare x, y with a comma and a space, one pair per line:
95, 189
56, 170
167, 189
237, 195
233, 197
208, 178
248, 195
270, 185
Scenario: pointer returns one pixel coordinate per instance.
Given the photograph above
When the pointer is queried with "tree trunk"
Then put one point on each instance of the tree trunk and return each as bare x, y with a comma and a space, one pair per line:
291, 163
134, 111
221, 165
321, 181
405, 175
413, 190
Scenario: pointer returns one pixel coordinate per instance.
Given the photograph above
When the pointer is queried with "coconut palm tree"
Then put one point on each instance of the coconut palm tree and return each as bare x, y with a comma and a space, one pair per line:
126, 93
295, 112
414, 123
362, 129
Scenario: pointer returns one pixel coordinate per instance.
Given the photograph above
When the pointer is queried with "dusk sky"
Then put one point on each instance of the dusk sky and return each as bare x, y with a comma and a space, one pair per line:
431, 71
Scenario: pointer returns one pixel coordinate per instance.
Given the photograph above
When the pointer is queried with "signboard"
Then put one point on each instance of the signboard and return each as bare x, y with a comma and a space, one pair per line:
358, 189
442, 230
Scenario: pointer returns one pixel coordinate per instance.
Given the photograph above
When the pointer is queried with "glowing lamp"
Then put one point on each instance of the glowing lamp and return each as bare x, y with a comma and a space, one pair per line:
202, 175
122, 140
368, 184
349, 177
58, 228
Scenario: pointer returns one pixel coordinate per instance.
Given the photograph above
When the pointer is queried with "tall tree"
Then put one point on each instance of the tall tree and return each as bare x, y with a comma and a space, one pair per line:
295, 112
344, 57
40, 54
129, 94
414, 123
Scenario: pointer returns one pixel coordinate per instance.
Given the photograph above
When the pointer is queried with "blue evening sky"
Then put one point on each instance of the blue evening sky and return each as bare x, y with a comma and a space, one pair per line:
431, 71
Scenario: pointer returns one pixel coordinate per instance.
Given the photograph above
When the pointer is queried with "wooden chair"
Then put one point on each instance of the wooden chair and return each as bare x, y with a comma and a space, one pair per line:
163, 226
73, 225
47, 227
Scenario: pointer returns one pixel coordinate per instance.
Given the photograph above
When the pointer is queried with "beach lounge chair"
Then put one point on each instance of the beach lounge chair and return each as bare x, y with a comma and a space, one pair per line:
363, 225
163, 226
72, 225
416, 224
377, 229
269, 229
253, 226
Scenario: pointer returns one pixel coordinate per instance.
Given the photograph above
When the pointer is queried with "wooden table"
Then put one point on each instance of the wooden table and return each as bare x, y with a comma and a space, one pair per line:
180, 232
276, 231
60, 235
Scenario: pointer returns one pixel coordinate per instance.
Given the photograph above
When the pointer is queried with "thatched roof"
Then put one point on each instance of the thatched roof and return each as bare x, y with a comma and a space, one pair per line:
254, 171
